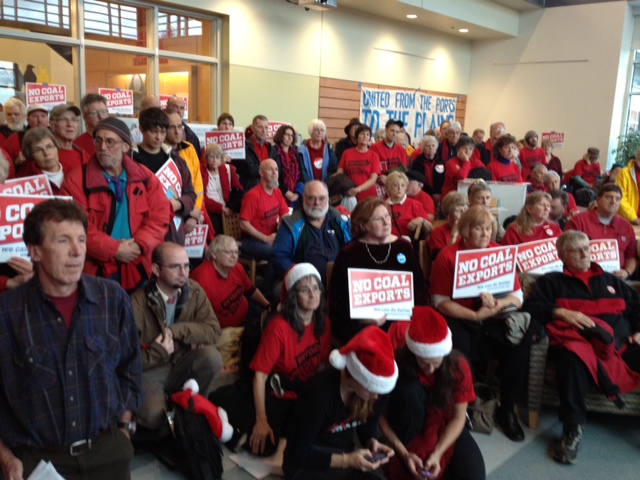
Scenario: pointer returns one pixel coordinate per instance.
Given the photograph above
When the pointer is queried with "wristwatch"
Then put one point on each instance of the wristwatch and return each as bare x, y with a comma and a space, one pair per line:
128, 426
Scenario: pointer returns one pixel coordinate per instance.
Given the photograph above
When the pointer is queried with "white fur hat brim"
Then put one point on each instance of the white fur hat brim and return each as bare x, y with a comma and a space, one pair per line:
431, 350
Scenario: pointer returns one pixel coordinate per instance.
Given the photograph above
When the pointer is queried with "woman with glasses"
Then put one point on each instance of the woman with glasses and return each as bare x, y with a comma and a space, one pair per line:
294, 345
65, 123
374, 247
288, 158
319, 160
226, 283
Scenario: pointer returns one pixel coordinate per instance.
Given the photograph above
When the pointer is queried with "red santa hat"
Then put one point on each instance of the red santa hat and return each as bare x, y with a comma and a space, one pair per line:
216, 416
428, 335
369, 359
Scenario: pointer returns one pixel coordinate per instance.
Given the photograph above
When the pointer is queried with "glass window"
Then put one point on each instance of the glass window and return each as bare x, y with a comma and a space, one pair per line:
124, 24
184, 34
115, 70
43, 16
191, 80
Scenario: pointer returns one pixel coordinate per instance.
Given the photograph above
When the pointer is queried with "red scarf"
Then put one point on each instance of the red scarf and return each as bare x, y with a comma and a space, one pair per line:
290, 167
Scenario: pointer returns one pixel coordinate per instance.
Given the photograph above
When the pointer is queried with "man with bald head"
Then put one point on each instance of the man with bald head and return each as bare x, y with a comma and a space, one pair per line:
262, 210
313, 233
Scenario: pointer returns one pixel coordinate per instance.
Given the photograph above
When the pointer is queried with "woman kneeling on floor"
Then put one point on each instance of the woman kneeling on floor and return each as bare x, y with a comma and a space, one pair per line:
427, 410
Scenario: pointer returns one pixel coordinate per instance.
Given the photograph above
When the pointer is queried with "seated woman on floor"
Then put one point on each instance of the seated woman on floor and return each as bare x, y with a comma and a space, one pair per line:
335, 403
426, 416
533, 221
294, 345
466, 317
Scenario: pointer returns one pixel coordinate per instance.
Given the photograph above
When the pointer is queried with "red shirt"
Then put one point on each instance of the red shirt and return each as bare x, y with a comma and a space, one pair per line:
504, 173
261, 150
440, 237
85, 142
282, 352
619, 229
530, 157
456, 170
70, 159
443, 274
263, 211
390, 157
359, 166
426, 201
589, 172
317, 159
402, 213
228, 296
547, 230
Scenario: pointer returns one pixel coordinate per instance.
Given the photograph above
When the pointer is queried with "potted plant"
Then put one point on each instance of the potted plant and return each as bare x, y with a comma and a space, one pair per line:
628, 144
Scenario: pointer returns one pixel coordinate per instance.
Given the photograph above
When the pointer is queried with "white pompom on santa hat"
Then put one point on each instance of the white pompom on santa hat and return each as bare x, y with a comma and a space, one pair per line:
428, 335
369, 358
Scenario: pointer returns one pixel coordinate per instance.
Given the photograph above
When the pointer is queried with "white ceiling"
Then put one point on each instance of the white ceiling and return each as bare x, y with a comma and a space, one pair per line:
395, 10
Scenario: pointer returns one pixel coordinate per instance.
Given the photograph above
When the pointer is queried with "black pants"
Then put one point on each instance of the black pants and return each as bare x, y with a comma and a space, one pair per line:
108, 459
513, 360
574, 381
406, 415
334, 474
237, 400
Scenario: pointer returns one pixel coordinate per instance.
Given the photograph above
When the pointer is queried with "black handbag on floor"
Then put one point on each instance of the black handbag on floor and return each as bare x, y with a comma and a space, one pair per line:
202, 450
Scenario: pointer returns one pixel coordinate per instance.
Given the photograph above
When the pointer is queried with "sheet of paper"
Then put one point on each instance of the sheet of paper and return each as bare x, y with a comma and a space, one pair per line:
261, 467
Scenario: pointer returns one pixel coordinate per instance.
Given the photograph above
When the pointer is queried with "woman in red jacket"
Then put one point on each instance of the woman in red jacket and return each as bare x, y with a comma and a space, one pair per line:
219, 179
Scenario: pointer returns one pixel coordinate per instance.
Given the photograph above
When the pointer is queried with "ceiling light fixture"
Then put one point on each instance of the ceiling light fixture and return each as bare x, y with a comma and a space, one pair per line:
412, 15
463, 30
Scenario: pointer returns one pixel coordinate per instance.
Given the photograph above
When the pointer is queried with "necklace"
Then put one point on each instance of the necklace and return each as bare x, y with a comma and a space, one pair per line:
379, 262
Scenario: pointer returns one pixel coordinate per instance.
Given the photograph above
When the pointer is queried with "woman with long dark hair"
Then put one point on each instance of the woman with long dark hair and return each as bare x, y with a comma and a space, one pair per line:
294, 345
284, 152
427, 410
351, 396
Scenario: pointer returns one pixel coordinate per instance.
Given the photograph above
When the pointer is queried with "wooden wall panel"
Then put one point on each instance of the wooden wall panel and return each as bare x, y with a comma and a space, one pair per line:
340, 101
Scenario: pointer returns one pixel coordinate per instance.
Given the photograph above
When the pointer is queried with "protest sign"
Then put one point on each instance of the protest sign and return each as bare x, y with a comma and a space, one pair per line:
36, 185
13, 211
374, 293
119, 102
557, 138
171, 182
231, 142
606, 254
273, 127
165, 98
196, 241
489, 270
539, 256
45, 94
418, 111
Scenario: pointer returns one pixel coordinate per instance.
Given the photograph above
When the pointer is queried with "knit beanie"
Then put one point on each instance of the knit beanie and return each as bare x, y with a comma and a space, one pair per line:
116, 126
428, 335
369, 359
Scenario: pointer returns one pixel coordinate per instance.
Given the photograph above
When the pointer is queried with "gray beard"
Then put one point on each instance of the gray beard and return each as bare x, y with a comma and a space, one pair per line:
314, 216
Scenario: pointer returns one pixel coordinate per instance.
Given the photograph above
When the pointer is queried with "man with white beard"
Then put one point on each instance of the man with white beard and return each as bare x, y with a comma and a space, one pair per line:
314, 233
15, 112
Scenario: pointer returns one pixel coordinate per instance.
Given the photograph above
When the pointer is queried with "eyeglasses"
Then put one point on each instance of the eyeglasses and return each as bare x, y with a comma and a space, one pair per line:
43, 150
176, 267
230, 252
585, 249
307, 290
313, 198
109, 142
98, 113
384, 218
67, 120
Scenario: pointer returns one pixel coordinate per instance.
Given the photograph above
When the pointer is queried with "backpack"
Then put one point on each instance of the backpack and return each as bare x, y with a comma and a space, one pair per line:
202, 450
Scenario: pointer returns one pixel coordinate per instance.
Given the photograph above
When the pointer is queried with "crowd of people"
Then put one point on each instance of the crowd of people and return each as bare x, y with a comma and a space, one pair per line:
111, 315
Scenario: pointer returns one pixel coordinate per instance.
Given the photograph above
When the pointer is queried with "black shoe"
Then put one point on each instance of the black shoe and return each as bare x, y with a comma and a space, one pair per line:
507, 419
566, 449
